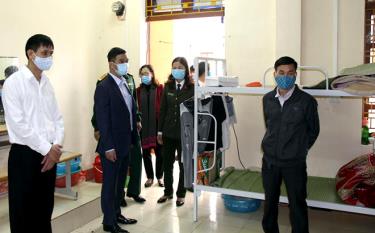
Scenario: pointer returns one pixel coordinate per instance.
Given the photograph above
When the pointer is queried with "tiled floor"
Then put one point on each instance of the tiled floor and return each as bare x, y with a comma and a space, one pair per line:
213, 217
88, 191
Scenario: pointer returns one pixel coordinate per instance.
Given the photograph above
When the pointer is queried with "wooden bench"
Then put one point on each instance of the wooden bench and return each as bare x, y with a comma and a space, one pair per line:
66, 157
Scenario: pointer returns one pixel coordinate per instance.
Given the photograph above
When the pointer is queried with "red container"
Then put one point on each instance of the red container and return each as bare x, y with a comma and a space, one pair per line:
75, 178
98, 171
3, 188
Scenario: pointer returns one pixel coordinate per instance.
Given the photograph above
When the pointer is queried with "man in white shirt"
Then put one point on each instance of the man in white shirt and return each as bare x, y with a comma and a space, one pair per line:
36, 132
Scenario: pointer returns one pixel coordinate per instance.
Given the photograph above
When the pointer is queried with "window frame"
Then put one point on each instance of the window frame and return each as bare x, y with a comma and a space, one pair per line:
188, 11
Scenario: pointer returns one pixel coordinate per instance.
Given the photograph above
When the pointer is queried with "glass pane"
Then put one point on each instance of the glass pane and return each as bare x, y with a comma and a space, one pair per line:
207, 4
168, 5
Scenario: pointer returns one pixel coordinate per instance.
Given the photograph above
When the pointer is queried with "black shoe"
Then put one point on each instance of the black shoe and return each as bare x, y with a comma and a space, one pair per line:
160, 183
180, 202
164, 199
114, 229
149, 182
121, 219
120, 230
138, 198
123, 203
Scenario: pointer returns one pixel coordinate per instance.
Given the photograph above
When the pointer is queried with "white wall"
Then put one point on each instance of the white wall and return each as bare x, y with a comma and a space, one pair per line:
339, 140
250, 47
83, 32
257, 33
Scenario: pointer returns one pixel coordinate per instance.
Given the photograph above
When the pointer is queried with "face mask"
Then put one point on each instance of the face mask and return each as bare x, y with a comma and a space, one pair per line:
146, 79
122, 69
43, 63
285, 81
178, 74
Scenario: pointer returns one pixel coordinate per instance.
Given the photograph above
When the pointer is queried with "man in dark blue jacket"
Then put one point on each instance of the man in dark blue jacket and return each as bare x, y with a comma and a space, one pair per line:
115, 112
292, 126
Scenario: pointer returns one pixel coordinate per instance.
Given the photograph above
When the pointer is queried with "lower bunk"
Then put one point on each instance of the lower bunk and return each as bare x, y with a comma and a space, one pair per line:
321, 192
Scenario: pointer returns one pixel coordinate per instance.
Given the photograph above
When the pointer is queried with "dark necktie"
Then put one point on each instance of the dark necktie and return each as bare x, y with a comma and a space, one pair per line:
178, 88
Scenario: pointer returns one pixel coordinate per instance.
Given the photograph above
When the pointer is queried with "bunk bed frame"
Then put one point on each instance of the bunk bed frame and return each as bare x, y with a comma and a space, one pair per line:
325, 197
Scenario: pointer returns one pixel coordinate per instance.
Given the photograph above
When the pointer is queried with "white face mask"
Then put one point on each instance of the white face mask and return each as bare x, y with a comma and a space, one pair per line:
43, 63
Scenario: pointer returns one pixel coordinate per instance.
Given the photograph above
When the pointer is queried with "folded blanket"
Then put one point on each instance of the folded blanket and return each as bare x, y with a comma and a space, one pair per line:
355, 84
358, 80
364, 69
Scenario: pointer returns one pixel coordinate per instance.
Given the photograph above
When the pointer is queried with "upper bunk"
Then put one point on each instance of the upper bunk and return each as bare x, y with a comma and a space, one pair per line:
220, 70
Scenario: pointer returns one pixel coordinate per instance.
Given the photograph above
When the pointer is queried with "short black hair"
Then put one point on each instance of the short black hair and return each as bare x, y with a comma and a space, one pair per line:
36, 41
192, 68
285, 61
10, 70
111, 56
202, 68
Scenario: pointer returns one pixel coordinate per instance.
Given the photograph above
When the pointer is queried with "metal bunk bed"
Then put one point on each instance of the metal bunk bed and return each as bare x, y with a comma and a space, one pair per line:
321, 190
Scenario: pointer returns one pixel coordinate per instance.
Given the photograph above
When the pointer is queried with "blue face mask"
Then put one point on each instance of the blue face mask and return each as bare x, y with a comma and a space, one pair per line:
122, 69
178, 74
285, 81
43, 63
146, 79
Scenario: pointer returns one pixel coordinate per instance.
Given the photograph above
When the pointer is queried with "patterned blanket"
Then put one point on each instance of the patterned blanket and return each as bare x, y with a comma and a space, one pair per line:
355, 181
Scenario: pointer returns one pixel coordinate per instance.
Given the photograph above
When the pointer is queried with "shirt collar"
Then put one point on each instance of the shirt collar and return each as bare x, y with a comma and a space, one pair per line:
30, 76
182, 83
287, 95
118, 81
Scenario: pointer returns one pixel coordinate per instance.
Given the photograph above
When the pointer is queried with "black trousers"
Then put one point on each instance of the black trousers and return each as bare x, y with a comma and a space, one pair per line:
31, 192
135, 170
170, 146
295, 180
114, 175
147, 162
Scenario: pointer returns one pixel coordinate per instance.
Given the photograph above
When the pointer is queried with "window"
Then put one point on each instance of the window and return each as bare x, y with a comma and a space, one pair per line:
177, 9
368, 106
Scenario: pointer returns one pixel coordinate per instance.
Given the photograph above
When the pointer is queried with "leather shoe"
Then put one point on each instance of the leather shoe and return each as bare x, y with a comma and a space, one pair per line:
123, 203
164, 199
122, 220
114, 229
180, 202
160, 182
138, 198
149, 182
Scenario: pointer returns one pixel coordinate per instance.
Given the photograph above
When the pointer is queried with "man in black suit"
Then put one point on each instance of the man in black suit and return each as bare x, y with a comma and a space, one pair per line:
115, 111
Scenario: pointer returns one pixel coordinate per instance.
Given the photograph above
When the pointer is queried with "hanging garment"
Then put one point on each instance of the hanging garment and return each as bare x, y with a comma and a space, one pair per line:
355, 181
228, 122
187, 134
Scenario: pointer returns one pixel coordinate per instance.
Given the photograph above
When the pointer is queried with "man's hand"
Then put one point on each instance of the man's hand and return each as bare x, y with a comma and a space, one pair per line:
55, 152
97, 135
111, 155
48, 163
160, 139
52, 157
139, 126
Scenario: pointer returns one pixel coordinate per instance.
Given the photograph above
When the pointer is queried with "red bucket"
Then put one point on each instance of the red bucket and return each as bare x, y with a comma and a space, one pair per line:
98, 171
